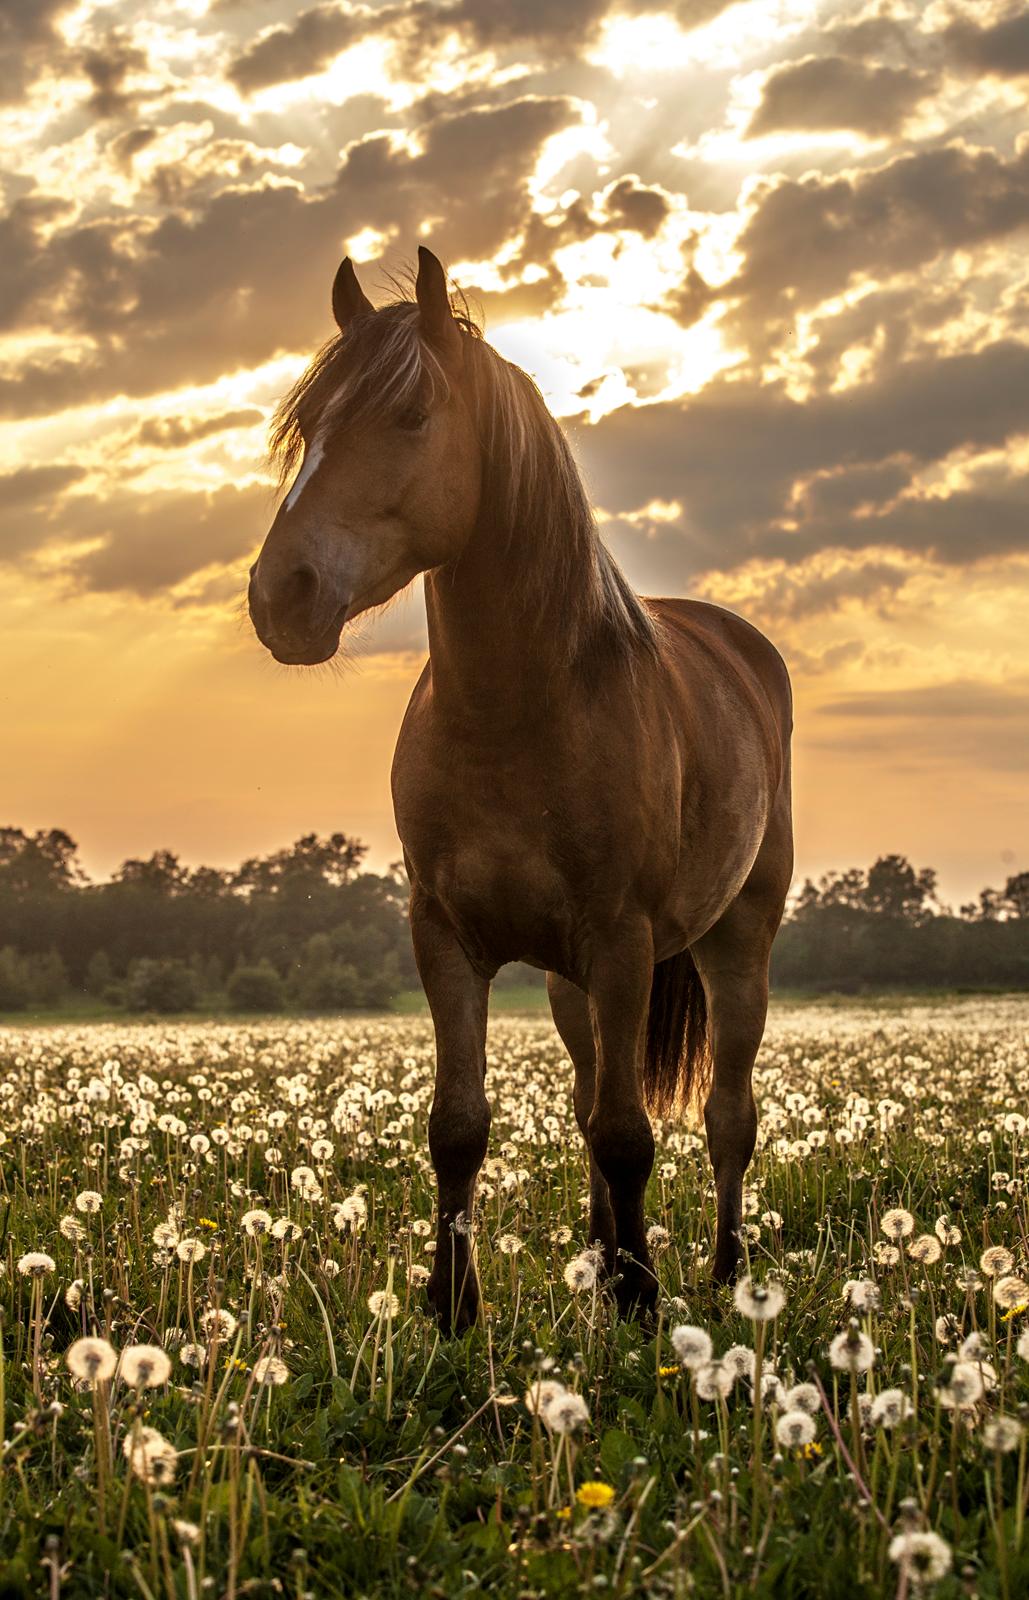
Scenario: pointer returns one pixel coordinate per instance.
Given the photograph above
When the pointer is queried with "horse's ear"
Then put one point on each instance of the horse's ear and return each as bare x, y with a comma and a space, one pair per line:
348, 298
436, 320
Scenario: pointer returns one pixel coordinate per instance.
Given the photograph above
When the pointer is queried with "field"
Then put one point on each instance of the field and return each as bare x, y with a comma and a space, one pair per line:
255, 1200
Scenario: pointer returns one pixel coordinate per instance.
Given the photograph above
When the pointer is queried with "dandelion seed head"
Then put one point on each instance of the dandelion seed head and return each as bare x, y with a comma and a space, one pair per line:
996, 1261
91, 1360
795, 1429
923, 1555
580, 1274
36, 1264
1002, 1434
692, 1345
889, 1408
144, 1366
852, 1351
761, 1302
897, 1223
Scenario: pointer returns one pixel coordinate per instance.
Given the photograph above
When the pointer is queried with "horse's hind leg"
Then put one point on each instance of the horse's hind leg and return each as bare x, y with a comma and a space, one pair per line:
460, 1117
732, 959
571, 1012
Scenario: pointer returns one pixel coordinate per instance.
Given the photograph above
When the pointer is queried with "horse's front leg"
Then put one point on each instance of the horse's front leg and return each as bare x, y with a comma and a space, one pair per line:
620, 1136
460, 1116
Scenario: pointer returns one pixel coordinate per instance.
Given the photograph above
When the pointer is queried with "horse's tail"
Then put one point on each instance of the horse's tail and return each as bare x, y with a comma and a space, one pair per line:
677, 1064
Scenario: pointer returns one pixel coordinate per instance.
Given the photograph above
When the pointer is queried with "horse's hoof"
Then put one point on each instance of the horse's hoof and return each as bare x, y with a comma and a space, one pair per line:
453, 1318
636, 1293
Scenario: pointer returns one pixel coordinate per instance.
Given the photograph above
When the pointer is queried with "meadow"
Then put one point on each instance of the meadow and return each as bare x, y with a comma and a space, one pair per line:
218, 1378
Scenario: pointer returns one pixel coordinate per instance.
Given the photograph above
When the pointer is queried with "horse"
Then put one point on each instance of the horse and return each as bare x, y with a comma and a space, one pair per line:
585, 780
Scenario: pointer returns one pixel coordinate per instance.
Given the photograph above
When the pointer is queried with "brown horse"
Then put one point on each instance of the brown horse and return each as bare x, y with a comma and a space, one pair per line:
584, 780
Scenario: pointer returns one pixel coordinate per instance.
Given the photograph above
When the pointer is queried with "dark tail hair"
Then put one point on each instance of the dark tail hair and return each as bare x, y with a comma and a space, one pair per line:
677, 1065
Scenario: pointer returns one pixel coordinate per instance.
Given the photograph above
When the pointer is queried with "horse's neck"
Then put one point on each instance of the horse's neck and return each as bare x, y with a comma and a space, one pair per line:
498, 645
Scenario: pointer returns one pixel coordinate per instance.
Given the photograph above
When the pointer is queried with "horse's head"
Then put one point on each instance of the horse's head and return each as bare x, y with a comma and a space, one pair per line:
389, 481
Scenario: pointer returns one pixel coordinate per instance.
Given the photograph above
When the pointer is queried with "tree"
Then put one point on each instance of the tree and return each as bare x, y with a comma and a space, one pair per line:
164, 986
1016, 895
894, 889
255, 988
14, 983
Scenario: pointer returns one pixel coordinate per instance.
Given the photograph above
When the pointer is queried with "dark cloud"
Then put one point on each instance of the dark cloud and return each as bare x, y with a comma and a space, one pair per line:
809, 238
172, 433
1000, 49
826, 92
761, 475
143, 542
635, 205
108, 65
26, 498
854, 487
959, 698
871, 37
29, 42
304, 47
126, 146
152, 542
246, 273
539, 28
28, 271
889, 324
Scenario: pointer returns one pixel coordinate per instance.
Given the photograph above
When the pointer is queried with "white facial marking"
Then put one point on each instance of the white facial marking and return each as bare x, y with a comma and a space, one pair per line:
312, 461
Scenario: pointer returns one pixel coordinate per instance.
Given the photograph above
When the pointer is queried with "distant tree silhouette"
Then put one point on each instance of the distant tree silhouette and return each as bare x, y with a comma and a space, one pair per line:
309, 927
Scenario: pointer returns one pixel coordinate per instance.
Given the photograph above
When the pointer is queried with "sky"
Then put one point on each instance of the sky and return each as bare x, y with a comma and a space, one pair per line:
766, 260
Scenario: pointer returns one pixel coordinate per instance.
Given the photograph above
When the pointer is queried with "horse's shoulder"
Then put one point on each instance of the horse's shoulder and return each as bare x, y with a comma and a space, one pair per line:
704, 618
704, 621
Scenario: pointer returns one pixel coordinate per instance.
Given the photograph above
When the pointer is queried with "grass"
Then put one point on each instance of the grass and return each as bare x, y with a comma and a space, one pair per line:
391, 1461
515, 999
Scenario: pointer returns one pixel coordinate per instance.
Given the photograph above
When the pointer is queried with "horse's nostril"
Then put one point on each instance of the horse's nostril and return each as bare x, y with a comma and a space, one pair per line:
300, 587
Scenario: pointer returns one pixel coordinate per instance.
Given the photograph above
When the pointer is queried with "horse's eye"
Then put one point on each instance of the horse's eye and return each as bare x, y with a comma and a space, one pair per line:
413, 419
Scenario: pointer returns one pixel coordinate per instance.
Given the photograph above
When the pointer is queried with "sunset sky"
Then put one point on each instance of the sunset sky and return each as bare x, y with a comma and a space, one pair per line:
767, 261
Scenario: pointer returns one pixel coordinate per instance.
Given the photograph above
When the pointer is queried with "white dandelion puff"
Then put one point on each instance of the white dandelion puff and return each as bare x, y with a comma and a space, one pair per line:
91, 1360
795, 1429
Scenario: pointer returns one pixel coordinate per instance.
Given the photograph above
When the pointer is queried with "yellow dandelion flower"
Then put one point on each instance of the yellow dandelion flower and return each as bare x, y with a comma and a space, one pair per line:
812, 1451
205, 1222
1014, 1311
564, 1511
594, 1496
668, 1372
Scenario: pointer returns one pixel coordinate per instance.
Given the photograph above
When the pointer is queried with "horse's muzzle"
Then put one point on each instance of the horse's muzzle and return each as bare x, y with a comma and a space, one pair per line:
293, 621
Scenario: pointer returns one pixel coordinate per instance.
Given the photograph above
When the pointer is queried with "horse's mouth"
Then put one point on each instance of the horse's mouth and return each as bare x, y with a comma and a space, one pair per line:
311, 653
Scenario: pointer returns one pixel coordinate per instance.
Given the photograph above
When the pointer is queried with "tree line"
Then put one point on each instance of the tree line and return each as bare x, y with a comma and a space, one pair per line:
309, 928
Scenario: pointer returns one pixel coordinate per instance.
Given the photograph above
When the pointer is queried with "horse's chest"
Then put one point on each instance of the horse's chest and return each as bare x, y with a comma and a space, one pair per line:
492, 870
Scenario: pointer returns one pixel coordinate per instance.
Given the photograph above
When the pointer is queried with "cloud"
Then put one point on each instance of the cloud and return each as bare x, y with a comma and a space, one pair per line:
760, 474
826, 92
963, 698
140, 543
29, 42
1000, 48
246, 273
637, 206
808, 238
151, 542
26, 496
108, 65
172, 433
306, 46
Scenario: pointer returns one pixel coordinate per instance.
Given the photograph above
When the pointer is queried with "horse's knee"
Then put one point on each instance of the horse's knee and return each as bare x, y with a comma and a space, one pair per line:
459, 1136
622, 1143
731, 1125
